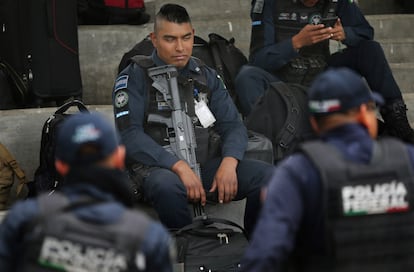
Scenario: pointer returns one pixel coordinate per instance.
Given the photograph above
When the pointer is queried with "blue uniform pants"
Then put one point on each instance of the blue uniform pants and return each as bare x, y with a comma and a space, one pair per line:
166, 192
367, 59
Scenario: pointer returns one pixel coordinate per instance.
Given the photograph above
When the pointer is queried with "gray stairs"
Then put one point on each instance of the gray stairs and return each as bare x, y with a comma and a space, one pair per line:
394, 32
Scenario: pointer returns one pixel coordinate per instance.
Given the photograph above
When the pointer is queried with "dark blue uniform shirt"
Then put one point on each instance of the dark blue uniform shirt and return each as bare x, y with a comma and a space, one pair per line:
142, 148
286, 211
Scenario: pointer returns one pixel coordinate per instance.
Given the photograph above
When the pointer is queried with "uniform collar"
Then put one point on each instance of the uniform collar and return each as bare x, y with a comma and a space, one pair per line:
191, 67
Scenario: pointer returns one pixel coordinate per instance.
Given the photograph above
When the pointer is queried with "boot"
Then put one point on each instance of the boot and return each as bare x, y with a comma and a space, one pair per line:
396, 122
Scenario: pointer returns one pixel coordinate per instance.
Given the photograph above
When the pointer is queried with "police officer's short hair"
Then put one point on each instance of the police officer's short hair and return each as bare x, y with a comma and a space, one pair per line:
173, 13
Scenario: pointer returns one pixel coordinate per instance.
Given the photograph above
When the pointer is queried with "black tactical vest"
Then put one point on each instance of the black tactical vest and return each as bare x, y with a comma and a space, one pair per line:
368, 210
190, 89
58, 240
289, 17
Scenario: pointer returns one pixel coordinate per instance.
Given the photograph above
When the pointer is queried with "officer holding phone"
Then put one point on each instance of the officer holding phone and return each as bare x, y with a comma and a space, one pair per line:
290, 42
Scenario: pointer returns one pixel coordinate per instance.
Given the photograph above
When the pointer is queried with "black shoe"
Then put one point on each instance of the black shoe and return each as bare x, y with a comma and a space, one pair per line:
396, 122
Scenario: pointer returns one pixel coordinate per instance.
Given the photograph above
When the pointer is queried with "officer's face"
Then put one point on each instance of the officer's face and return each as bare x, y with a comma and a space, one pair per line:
309, 3
174, 42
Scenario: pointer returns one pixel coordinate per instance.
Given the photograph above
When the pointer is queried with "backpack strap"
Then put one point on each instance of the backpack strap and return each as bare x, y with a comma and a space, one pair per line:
21, 87
143, 61
287, 134
11, 161
58, 202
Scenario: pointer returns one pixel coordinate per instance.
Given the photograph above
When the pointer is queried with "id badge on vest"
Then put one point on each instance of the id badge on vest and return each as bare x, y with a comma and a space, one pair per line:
203, 113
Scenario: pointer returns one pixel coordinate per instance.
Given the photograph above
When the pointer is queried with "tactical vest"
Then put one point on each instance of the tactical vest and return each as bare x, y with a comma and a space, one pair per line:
289, 17
368, 210
58, 240
190, 89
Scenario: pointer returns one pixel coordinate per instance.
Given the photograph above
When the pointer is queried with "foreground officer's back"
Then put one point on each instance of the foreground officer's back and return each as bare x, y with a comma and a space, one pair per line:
86, 226
343, 202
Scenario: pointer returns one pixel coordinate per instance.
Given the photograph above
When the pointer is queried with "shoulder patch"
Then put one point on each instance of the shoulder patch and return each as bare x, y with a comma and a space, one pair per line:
121, 99
121, 83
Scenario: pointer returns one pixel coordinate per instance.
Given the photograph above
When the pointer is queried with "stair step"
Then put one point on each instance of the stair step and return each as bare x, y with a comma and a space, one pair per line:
380, 6
409, 101
213, 9
403, 74
398, 50
389, 26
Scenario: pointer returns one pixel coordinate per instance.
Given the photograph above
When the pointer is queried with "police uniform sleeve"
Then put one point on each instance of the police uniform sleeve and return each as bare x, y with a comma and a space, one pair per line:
11, 233
130, 98
355, 24
283, 214
159, 248
270, 56
228, 124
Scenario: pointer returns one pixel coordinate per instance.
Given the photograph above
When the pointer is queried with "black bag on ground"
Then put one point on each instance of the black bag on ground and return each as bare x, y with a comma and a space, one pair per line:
210, 244
259, 147
14, 92
56, 69
39, 39
282, 115
46, 178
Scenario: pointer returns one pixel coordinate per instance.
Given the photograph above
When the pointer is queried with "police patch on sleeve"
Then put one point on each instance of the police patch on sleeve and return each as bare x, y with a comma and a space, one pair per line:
121, 99
121, 83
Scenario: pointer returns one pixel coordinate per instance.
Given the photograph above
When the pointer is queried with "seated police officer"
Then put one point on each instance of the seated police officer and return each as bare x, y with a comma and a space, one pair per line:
169, 182
87, 226
290, 42
344, 202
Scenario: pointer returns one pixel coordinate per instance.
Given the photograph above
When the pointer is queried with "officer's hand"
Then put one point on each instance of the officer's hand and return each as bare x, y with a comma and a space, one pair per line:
225, 180
338, 32
195, 190
311, 34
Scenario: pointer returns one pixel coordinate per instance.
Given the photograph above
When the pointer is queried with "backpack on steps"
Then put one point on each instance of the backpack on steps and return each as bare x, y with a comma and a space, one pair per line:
282, 115
46, 178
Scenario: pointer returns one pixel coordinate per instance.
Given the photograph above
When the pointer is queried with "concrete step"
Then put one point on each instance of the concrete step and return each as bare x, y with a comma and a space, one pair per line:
403, 74
100, 51
390, 26
212, 9
409, 101
380, 6
399, 50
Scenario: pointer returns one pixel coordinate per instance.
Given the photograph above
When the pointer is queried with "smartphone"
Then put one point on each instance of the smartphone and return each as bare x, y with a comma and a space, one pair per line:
329, 21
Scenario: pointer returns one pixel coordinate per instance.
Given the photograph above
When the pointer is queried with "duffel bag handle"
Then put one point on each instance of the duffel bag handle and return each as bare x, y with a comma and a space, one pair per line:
198, 224
62, 109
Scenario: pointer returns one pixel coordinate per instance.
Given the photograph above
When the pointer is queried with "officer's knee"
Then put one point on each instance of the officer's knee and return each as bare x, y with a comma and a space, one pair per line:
371, 47
164, 183
248, 73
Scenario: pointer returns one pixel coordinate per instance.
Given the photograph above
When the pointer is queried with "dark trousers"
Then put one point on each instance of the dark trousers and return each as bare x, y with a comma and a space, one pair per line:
166, 192
367, 59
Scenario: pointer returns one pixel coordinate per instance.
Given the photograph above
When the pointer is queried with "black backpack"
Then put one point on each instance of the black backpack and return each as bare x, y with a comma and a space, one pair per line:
282, 115
209, 244
219, 53
46, 178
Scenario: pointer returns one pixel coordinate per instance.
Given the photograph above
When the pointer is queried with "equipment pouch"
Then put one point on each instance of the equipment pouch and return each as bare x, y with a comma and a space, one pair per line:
302, 70
136, 174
